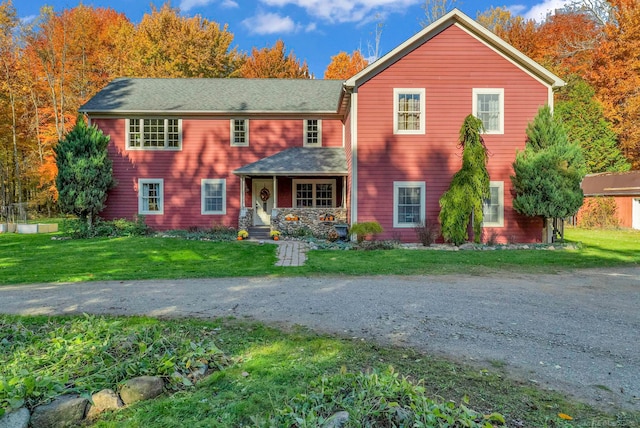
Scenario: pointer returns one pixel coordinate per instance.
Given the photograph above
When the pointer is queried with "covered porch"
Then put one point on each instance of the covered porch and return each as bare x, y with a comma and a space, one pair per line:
295, 189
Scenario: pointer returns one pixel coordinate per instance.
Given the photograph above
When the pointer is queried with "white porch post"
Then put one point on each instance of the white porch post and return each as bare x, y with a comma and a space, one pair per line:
242, 190
344, 191
275, 193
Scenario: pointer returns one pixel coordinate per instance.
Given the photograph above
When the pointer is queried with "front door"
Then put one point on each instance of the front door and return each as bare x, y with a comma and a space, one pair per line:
262, 202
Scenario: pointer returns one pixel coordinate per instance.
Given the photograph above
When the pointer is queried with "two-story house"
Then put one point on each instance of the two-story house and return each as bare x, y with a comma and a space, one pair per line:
382, 146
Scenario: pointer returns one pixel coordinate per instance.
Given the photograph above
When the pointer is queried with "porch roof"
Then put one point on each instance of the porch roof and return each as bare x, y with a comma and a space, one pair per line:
300, 161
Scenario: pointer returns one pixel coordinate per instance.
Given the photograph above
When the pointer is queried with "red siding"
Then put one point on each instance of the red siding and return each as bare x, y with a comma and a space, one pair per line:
448, 66
206, 153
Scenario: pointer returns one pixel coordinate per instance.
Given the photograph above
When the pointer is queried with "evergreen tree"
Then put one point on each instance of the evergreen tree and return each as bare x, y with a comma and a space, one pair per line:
584, 121
462, 203
549, 171
85, 172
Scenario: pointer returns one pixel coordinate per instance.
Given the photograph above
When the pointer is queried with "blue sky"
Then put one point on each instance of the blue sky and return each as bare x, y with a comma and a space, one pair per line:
314, 29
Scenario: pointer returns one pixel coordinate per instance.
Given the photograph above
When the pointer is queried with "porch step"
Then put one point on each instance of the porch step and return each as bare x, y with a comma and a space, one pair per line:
260, 232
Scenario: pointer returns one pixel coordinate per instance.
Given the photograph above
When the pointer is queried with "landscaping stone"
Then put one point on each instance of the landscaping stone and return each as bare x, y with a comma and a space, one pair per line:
16, 419
141, 388
337, 420
103, 400
64, 411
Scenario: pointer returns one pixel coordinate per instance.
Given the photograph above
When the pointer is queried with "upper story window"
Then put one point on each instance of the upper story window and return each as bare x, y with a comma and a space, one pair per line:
409, 111
488, 106
239, 132
154, 134
314, 193
150, 196
313, 132
493, 207
408, 203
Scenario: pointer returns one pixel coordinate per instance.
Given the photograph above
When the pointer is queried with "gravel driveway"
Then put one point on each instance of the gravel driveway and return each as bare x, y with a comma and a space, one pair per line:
577, 332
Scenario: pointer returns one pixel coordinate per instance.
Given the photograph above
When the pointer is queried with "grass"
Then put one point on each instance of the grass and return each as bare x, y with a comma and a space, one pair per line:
260, 375
38, 258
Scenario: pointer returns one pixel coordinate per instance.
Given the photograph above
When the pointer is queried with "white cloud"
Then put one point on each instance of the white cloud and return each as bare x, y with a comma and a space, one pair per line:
186, 5
540, 11
270, 23
344, 11
229, 4
311, 27
28, 19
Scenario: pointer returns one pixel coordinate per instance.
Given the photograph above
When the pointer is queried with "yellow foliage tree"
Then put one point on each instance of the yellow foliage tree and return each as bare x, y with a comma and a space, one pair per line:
343, 65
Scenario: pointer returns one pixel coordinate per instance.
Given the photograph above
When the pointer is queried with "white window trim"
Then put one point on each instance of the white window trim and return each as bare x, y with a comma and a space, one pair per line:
500, 222
233, 135
205, 181
423, 198
396, 94
166, 134
295, 182
305, 142
141, 182
500, 92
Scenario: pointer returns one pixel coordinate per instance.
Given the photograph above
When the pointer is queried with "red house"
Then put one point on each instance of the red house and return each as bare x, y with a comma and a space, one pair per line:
382, 146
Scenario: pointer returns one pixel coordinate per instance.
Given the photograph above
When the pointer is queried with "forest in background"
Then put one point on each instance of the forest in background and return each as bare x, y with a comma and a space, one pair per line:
51, 66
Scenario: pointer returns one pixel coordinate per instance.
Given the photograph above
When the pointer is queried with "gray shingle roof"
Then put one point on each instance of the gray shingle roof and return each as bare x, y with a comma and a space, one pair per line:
237, 96
300, 161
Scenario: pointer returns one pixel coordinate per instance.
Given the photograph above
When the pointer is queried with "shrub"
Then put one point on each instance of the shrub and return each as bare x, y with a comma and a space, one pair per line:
599, 212
367, 228
427, 233
80, 229
377, 245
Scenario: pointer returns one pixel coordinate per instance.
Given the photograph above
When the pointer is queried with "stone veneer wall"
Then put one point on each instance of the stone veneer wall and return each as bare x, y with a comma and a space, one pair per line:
246, 221
308, 218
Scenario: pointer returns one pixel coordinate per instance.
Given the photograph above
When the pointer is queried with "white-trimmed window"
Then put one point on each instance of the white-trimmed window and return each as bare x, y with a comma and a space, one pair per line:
314, 193
409, 111
313, 132
409, 203
150, 196
154, 134
240, 132
488, 106
493, 207
214, 196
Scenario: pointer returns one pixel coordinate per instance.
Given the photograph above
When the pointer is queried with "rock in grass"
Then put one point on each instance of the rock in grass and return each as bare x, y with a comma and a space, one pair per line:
337, 420
103, 400
16, 419
141, 388
64, 411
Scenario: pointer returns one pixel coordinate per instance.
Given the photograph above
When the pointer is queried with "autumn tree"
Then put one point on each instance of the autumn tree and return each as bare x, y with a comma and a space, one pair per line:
615, 75
435, 9
515, 30
586, 126
85, 172
9, 88
462, 203
274, 63
166, 44
548, 172
343, 65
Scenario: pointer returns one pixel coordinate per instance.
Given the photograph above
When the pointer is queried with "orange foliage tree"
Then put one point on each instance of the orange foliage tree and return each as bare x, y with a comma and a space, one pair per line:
166, 44
274, 63
616, 77
343, 65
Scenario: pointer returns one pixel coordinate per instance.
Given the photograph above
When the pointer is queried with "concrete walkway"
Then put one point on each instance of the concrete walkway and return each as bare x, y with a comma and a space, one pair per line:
291, 253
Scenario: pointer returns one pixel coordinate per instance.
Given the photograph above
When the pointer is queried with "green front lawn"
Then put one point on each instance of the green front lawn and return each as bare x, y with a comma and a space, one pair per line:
38, 258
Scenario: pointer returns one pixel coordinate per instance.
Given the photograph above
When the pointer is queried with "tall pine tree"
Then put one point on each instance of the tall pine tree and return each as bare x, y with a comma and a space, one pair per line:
85, 172
548, 173
462, 203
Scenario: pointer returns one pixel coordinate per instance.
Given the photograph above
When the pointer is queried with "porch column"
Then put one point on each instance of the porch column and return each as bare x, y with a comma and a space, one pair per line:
344, 191
275, 193
242, 190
